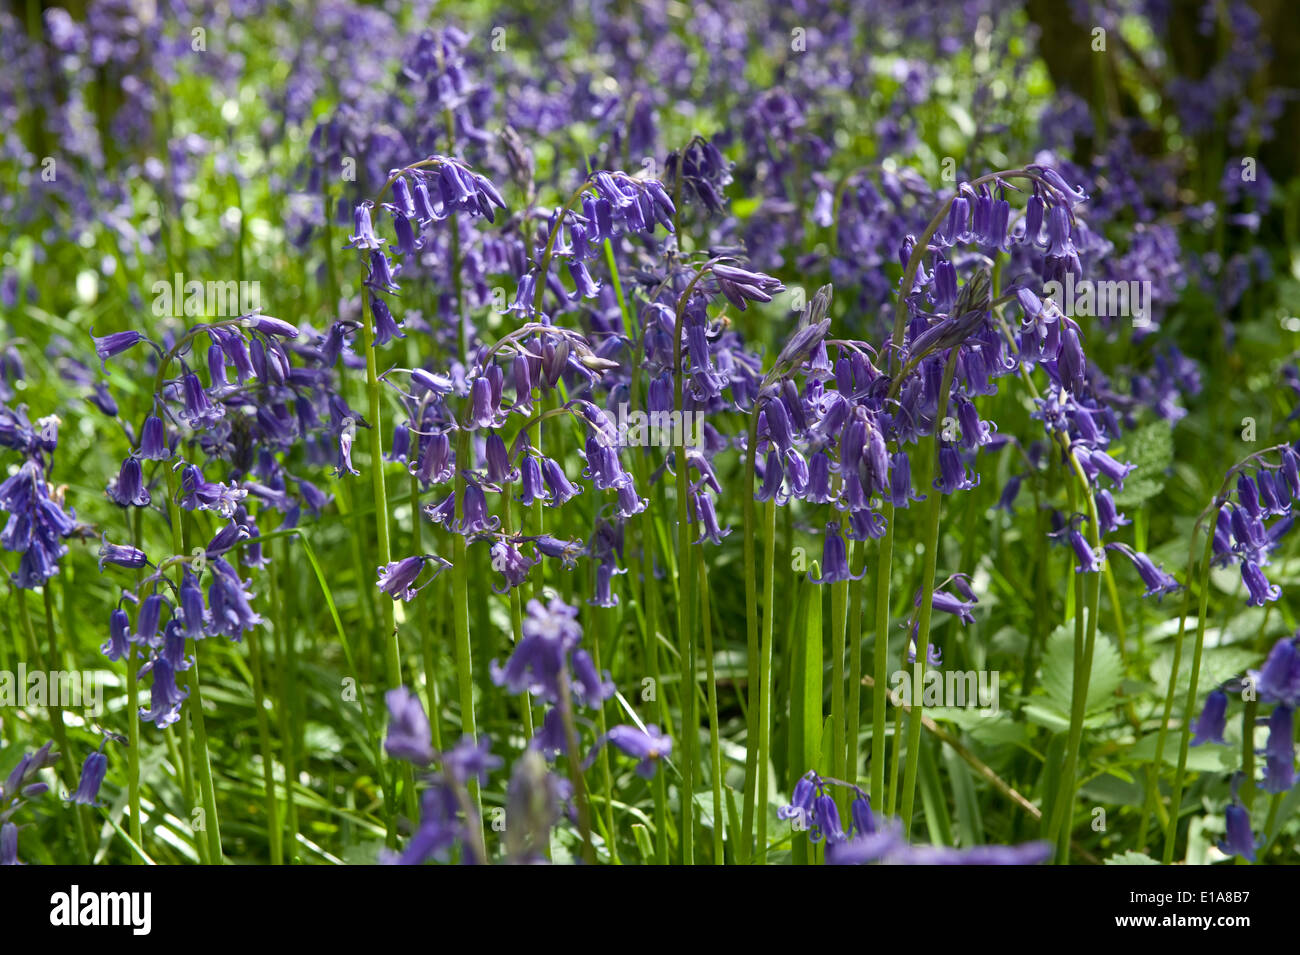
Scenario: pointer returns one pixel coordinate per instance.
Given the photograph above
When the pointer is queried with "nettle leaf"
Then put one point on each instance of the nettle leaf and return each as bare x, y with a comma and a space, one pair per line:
1217, 665
1131, 858
1211, 758
1058, 674
1151, 448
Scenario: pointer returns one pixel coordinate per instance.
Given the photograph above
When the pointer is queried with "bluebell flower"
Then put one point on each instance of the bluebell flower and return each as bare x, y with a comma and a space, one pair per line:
1261, 591
148, 620
198, 494
1158, 583
704, 512
560, 487
363, 236
953, 474
439, 830
933, 653
119, 634
1278, 681
550, 633
474, 513
1240, 841
1291, 469
510, 562
193, 614
198, 410
107, 346
153, 440
9, 844
230, 610
92, 777
950, 604
900, 480
550, 739
434, 465
1279, 752
801, 800
535, 802
826, 821
886, 844
121, 555
1108, 517
835, 561
590, 688
862, 820
648, 746
409, 735
165, 698
397, 579
1209, 727
173, 646
1091, 559
386, 327
470, 760
1273, 495
1096, 462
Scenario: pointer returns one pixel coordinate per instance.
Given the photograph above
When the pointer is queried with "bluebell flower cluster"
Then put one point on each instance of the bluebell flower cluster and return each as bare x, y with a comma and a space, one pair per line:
868, 838
20, 787
1254, 519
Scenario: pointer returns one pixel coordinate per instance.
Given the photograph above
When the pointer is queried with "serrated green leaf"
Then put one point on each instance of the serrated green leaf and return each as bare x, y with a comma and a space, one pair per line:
1151, 449
1131, 858
1058, 673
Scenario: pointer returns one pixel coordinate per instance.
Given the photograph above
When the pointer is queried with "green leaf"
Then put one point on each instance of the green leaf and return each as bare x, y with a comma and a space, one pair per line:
1058, 673
1151, 449
1131, 858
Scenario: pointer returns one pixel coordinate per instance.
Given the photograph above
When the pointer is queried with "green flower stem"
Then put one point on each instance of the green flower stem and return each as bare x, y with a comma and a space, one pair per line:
133, 721
643, 529
264, 740
606, 773
54, 662
1176, 799
686, 580
880, 657
516, 629
765, 675
374, 411
1247, 790
460, 612
1152, 800
927, 606
288, 755
544, 266
575, 769
923, 244
715, 745
212, 822
686, 646
133, 750
1085, 636
432, 704
895, 763
746, 842
856, 588
839, 719
1080, 600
